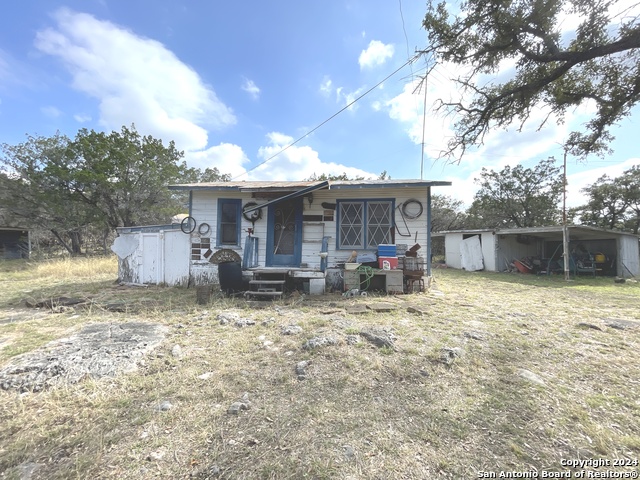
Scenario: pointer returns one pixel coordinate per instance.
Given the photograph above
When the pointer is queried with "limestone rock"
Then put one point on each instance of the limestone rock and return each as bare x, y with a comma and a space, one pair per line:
317, 342
379, 337
291, 330
530, 376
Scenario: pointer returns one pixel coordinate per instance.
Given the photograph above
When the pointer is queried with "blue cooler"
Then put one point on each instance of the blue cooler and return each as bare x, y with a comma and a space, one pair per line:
387, 251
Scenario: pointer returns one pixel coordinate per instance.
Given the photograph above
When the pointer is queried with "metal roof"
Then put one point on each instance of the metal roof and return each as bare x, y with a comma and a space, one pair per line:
15, 229
575, 231
252, 186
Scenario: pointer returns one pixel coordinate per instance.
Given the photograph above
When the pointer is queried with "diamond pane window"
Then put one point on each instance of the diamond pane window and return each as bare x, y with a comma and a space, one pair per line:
378, 223
364, 224
352, 225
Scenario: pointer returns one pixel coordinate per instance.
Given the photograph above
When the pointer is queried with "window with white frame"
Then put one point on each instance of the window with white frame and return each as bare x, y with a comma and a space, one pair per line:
364, 224
229, 211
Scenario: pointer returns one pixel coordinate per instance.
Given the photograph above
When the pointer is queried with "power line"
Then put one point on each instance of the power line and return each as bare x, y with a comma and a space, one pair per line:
282, 150
406, 39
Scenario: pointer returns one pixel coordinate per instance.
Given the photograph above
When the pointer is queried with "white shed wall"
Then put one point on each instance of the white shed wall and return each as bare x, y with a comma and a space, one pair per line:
629, 256
453, 241
155, 258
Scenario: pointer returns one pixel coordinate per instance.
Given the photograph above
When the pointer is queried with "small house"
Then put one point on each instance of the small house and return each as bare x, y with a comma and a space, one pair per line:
592, 250
280, 231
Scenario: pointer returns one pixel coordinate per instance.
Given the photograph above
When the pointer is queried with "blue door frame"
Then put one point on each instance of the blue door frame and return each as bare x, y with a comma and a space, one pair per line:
284, 233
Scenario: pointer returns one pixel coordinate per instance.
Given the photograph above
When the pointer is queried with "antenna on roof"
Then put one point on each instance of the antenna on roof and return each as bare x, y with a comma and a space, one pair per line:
418, 90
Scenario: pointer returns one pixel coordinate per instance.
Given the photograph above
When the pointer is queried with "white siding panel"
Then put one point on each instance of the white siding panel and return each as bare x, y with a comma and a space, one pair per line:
629, 261
204, 209
471, 256
150, 246
176, 258
452, 243
488, 240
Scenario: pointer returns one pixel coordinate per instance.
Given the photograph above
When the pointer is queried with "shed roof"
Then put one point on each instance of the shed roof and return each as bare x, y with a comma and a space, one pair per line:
575, 231
15, 229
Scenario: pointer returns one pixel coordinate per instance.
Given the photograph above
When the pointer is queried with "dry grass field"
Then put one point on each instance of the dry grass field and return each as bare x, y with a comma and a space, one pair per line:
486, 373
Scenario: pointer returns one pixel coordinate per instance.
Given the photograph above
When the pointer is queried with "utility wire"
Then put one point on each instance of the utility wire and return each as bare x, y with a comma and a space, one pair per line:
282, 150
406, 39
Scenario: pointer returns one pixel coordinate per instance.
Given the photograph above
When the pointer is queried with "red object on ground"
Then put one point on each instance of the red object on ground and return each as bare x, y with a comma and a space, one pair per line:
522, 268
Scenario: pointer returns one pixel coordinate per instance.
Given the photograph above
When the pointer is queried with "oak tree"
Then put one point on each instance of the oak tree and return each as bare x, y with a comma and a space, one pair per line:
517, 197
596, 62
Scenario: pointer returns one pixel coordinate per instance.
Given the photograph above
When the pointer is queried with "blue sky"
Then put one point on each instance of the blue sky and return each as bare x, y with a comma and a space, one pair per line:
233, 82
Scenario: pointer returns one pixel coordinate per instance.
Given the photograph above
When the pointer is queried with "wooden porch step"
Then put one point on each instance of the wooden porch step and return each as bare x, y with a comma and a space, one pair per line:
267, 282
252, 293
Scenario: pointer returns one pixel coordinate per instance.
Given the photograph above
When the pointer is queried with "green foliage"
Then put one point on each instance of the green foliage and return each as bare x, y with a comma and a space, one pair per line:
123, 176
518, 197
344, 177
614, 203
598, 63
447, 214
37, 189
96, 182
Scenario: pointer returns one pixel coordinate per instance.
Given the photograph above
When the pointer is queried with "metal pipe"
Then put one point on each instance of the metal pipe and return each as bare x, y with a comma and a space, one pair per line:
428, 259
565, 229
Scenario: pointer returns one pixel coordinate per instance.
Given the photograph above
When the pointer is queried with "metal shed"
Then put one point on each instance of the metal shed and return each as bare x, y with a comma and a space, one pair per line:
157, 254
495, 249
15, 243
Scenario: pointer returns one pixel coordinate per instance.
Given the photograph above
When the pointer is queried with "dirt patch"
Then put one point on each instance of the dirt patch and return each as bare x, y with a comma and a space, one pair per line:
98, 350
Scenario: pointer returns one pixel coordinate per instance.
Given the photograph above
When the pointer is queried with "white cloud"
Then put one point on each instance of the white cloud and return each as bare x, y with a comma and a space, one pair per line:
377, 53
251, 88
407, 108
345, 98
51, 111
296, 163
135, 79
82, 118
501, 146
326, 87
577, 181
226, 157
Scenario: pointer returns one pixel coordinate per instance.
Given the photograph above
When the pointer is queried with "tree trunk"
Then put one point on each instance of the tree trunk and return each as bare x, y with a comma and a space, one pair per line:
76, 242
61, 241
105, 236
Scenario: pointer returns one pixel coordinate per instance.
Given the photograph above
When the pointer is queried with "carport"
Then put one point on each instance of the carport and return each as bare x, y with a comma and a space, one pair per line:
613, 253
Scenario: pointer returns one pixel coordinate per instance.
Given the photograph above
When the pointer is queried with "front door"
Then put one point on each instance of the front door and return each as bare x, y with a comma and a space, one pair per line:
284, 233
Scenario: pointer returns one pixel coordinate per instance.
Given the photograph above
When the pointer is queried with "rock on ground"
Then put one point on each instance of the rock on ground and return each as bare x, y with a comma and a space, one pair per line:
379, 337
291, 330
98, 350
317, 342
448, 355
530, 376
227, 317
301, 369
